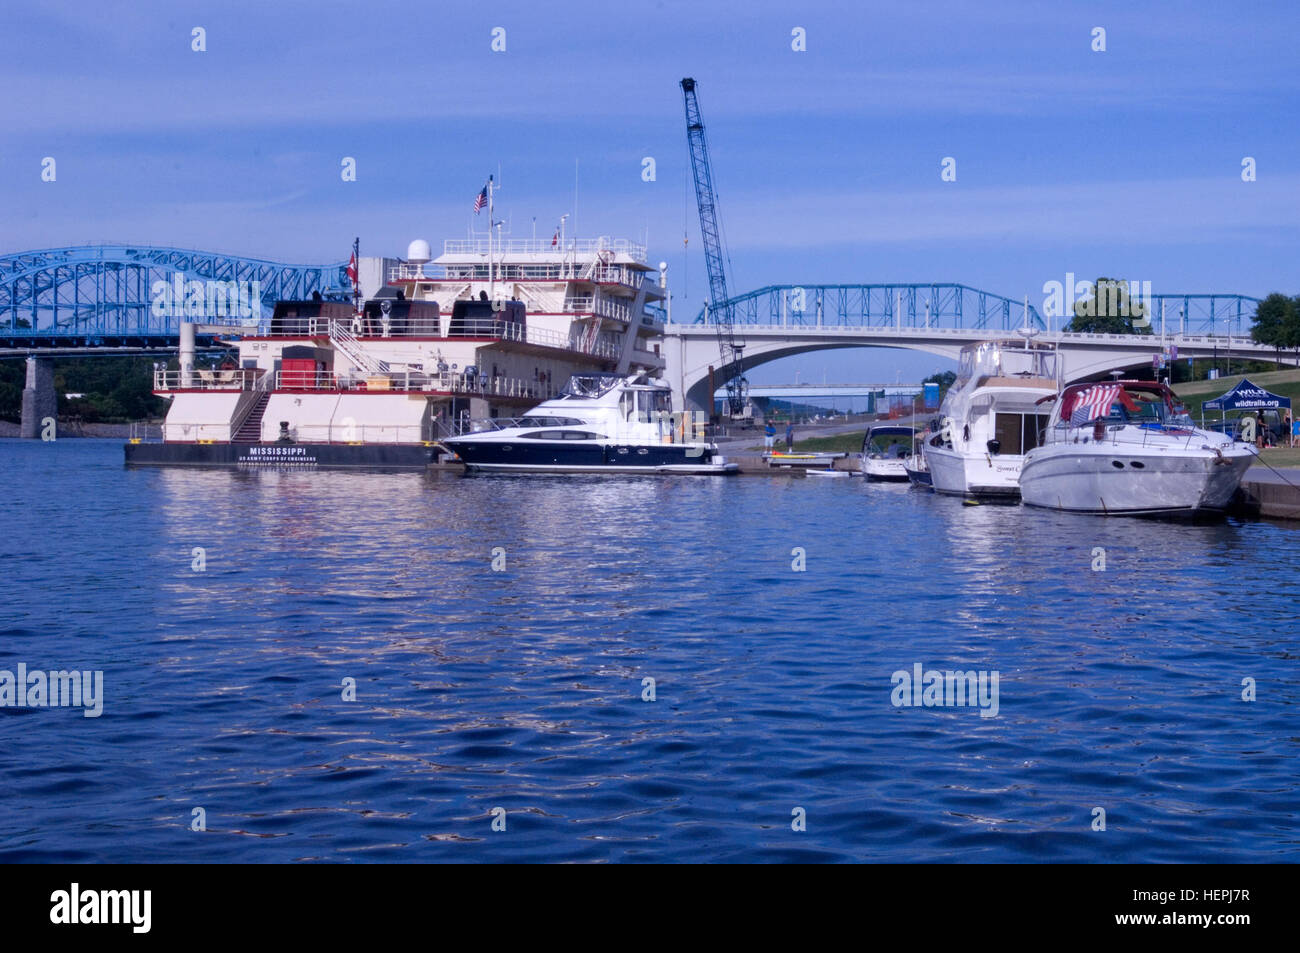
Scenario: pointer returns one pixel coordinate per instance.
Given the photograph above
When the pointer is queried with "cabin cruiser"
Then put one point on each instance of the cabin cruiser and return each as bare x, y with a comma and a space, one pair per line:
1122, 447
991, 417
600, 422
885, 452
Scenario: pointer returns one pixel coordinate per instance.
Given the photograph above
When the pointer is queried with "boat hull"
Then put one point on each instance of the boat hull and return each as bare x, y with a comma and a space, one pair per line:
983, 474
884, 471
282, 456
571, 456
1063, 478
920, 477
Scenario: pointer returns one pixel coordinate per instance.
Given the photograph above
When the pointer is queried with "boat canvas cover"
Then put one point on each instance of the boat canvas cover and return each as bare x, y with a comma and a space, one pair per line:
1247, 396
1092, 403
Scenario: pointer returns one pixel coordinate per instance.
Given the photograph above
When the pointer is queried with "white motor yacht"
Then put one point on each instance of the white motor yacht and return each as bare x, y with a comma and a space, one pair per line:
1123, 448
991, 417
600, 423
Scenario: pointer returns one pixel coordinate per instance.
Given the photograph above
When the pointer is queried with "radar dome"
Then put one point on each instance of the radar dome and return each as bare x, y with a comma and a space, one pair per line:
663, 266
418, 251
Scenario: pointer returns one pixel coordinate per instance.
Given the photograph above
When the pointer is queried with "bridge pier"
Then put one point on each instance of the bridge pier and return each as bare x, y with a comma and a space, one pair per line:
39, 400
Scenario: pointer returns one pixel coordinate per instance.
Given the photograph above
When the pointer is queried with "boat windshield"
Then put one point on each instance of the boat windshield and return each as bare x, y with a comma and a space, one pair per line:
890, 445
588, 386
1005, 359
1138, 408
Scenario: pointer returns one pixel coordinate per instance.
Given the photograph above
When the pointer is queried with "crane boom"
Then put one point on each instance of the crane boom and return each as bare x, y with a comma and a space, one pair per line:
729, 347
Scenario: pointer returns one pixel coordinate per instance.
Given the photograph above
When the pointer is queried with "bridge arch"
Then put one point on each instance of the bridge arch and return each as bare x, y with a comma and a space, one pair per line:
103, 294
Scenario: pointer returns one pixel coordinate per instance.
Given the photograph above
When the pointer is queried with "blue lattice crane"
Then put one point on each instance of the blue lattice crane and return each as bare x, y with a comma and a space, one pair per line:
729, 346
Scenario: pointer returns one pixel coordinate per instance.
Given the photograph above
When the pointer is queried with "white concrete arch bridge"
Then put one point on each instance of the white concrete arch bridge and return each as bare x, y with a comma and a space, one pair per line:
940, 320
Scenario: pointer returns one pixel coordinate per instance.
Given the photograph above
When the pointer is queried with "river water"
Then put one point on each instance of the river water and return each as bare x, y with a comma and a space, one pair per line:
771, 614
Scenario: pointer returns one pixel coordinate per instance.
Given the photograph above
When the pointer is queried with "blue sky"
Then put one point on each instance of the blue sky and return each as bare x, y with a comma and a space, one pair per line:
1124, 163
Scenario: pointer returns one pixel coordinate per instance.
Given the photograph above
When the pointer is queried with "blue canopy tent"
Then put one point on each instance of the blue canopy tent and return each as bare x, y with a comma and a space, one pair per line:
1247, 396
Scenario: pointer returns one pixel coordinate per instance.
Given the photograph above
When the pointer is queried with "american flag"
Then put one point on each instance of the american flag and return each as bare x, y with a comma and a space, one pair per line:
480, 200
1093, 403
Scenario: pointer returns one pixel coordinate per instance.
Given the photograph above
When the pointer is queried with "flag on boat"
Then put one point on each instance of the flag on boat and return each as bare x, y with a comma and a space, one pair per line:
352, 269
555, 239
480, 200
1094, 402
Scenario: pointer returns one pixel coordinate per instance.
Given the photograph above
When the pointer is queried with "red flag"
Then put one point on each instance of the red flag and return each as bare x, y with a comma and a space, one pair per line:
352, 270
555, 239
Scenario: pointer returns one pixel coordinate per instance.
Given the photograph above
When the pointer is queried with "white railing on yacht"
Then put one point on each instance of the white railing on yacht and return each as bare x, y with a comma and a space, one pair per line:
676, 427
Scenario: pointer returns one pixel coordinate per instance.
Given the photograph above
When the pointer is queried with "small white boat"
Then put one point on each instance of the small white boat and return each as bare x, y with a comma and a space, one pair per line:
1122, 448
991, 417
828, 473
885, 452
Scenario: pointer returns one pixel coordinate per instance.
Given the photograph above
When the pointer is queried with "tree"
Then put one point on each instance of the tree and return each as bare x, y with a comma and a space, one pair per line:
1277, 322
1108, 309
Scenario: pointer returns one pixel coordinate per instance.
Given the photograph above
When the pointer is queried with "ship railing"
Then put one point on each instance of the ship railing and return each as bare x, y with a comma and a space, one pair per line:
366, 327
566, 271
463, 383
543, 337
588, 304
432, 328
543, 246
145, 432
355, 433
235, 379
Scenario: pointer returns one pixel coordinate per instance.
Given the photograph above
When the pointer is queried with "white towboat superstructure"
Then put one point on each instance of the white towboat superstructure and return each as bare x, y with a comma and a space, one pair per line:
600, 423
991, 417
490, 328
1121, 448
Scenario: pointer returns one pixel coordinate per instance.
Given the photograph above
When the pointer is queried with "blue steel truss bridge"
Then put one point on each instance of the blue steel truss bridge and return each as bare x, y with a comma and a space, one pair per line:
961, 307
108, 298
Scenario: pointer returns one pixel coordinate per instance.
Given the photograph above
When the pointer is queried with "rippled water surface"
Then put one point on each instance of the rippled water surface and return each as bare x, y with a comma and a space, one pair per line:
523, 689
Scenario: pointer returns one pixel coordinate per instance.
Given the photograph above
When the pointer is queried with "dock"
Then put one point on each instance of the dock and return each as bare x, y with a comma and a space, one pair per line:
1274, 493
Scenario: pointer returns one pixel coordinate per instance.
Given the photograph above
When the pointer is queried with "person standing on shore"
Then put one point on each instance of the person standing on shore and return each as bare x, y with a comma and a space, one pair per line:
789, 436
769, 436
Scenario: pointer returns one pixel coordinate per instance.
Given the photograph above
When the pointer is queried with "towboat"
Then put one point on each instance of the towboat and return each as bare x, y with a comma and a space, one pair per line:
885, 452
1122, 448
600, 423
991, 417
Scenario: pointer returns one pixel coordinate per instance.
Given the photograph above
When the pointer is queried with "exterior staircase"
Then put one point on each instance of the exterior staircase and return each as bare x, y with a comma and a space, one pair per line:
250, 431
346, 343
